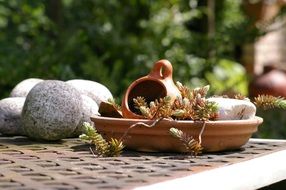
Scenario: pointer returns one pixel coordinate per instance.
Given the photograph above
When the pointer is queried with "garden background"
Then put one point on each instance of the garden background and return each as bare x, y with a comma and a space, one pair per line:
115, 42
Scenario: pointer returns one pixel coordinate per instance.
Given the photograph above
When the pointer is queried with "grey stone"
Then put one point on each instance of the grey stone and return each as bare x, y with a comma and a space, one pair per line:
23, 88
94, 90
90, 108
10, 116
52, 110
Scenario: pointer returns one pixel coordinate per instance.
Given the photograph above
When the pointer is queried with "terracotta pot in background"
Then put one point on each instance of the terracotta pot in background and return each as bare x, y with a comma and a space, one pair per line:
263, 10
157, 84
271, 82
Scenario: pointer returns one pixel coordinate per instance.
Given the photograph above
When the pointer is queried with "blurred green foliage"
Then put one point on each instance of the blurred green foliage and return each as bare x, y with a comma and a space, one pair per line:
273, 125
115, 42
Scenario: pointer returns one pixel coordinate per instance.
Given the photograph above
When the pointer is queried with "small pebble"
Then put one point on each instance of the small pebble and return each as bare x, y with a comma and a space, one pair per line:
10, 116
23, 88
94, 90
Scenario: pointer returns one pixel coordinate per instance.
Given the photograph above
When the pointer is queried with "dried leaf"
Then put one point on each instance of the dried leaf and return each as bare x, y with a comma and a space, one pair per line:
107, 109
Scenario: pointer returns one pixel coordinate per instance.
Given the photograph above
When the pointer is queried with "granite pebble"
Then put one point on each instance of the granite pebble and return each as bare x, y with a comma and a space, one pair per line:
52, 110
10, 116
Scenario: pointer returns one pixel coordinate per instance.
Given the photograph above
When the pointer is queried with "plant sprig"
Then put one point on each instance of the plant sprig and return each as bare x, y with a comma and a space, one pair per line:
103, 148
191, 105
269, 102
192, 146
158, 108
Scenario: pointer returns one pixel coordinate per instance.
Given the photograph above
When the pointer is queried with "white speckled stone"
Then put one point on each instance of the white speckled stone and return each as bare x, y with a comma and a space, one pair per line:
90, 108
52, 110
94, 90
23, 88
233, 109
10, 116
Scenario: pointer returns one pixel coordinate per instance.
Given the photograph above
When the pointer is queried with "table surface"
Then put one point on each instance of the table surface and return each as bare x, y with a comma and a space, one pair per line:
69, 164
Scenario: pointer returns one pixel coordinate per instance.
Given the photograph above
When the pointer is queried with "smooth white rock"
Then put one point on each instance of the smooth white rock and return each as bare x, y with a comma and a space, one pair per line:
94, 90
234, 109
10, 116
23, 88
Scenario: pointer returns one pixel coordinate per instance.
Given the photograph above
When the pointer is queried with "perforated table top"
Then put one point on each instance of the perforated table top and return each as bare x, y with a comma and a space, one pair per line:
69, 164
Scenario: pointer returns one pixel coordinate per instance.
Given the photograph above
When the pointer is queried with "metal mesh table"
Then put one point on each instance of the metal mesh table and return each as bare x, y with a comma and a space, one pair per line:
69, 164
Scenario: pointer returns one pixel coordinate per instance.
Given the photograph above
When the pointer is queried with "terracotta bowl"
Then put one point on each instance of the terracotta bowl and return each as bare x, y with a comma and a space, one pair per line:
217, 135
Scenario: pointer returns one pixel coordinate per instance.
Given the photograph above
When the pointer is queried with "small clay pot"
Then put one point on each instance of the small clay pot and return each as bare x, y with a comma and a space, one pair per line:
157, 84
